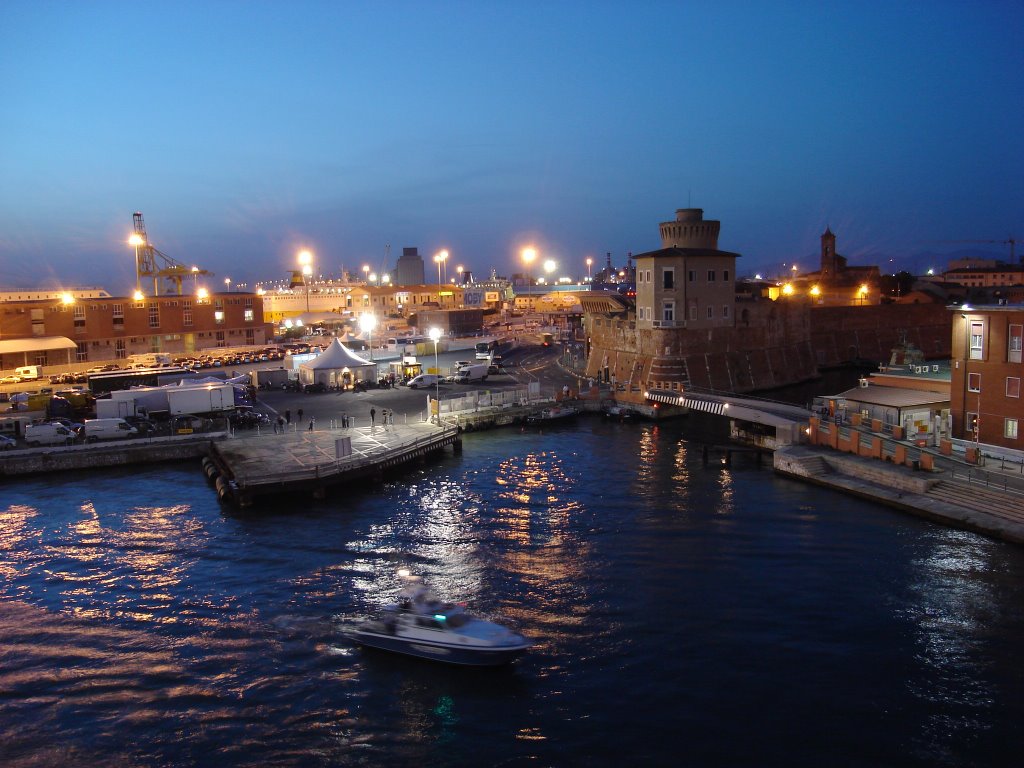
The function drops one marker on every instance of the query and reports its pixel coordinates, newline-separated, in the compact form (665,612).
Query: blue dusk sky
(245,131)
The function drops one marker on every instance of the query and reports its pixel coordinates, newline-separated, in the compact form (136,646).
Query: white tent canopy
(337,366)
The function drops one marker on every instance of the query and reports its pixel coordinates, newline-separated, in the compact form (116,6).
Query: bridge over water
(762,422)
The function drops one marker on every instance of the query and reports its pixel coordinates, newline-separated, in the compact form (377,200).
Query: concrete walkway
(945,496)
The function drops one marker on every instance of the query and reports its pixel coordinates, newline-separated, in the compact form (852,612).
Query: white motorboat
(421,625)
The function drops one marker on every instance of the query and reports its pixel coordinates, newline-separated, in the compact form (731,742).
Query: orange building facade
(112,328)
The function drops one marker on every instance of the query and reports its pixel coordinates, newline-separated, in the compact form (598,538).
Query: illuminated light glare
(787,289)
(67,298)
(138,296)
(815,291)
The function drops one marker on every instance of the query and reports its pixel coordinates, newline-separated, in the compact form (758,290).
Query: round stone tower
(690,230)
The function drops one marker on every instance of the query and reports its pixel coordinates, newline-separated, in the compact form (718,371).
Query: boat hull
(450,654)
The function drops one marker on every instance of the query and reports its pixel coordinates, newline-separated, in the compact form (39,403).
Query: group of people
(387,419)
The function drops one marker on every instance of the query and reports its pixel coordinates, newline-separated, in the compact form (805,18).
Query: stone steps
(980,499)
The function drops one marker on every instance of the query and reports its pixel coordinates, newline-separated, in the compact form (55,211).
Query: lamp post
(367,322)
(227,284)
(305,259)
(529,255)
(136,240)
(549,267)
(590,263)
(435,336)
(439,259)
(366,273)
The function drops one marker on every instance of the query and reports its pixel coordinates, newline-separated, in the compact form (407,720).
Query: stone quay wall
(773,344)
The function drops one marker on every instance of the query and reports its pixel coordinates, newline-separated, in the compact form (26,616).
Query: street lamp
(367,322)
(136,240)
(305,259)
(529,255)
(435,336)
(227,284)
(549,267)
(366,273)
(460,269)
(440,258)
(590,263)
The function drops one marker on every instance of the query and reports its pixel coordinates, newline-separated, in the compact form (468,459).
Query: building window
(186,317)
(668,312)
(120,349)
(1014,344)
(974,382)
(154,315)
(971,423)
(220,338)
(218,316)
(711,275)
(711,312)
(79,316)
(725,275)
(725,311)
(1010,429)
(249,315)
(977,340)
(691,275)
(1013,386)
(668,278)
(693,311)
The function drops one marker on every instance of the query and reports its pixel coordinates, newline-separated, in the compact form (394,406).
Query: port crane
(155,264)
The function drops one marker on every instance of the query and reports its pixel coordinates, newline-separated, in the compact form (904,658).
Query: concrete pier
(310,462)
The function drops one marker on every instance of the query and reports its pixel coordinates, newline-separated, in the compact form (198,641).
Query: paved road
(525,364)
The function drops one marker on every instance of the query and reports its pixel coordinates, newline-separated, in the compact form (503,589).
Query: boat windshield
(457,620)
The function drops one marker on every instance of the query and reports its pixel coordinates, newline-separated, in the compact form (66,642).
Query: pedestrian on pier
(344,421)
(384,418)
(280,425)
(373,416)
(310,423)
(300,415)
(288,415)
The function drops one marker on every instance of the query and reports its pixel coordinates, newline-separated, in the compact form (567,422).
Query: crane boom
(168,270)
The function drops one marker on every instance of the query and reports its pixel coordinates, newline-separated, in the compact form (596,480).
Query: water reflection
(952,607)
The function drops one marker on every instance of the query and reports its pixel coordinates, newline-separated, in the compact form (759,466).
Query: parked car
(7,443)
(10,380)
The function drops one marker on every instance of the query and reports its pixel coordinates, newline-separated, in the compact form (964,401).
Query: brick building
(986,374)
(111,327)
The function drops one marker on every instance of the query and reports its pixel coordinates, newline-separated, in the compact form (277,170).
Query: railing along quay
(309,462)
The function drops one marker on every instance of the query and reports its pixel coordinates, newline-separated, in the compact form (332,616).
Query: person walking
(373,416)
(288,415)
(300,415)
(280,425)
(344,421)
(310,423)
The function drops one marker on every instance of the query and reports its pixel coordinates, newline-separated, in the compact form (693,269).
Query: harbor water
(683,615)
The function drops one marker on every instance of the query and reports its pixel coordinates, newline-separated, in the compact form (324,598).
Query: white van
(29,372)
(48,434)
(107,429)
(425,380)
(475,372)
